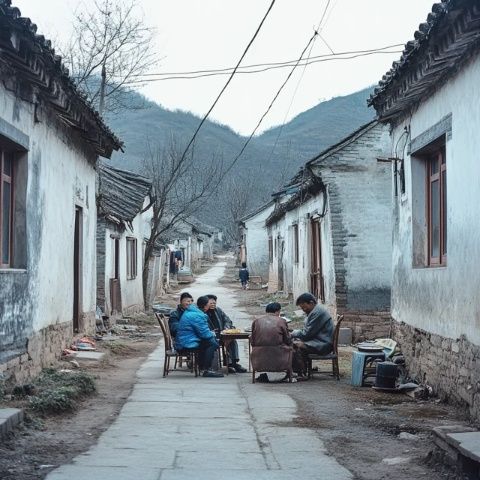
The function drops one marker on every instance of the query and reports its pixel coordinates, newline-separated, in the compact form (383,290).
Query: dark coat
(317,331)
(218,320)
(243,275)
(174,319)
(271,344)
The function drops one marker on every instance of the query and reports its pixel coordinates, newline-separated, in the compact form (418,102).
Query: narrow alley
(183,427)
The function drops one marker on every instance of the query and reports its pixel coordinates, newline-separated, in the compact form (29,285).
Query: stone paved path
(187,428)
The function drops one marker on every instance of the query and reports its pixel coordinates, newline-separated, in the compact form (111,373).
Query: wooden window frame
(4,178)
(440,156)
(132,259)
(296,246)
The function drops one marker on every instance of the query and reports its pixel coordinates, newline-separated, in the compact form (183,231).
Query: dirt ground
(361,427)
(44,442)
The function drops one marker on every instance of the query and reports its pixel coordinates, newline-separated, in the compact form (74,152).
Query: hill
(262,167)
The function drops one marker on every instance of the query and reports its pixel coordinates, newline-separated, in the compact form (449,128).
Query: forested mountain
(261,168)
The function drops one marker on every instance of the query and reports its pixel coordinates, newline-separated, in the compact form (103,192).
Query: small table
(360,368)
(228,338)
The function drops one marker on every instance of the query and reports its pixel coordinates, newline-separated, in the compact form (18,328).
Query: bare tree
(181,187)
(109,51)
(238,201)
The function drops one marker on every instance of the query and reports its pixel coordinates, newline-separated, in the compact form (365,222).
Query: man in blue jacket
(193,334)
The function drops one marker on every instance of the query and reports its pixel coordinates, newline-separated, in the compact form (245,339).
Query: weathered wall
(256,243)
(444,301)
(296,276)
(131,289)
(359,191)
(61,176)
(450,366)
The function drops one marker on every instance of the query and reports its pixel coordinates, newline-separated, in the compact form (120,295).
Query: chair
(286,367)
(333,356)
(170,351)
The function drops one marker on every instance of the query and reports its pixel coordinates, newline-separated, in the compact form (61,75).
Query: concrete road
(187,428)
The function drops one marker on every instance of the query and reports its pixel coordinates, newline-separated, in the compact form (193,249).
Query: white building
(431,99)
(50,141)
(254,246)
(122,226)
(330,232)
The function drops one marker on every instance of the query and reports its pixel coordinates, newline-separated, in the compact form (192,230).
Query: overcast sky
(206,34)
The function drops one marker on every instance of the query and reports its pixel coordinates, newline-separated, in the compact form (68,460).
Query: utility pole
(101,104)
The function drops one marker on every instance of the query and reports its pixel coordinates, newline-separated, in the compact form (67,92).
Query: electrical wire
(265,66)
(228,81)
(317,29)
(234,161)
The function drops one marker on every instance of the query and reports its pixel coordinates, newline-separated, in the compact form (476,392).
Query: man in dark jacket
(218,320)
(316,336)
(193,333)
(174,318)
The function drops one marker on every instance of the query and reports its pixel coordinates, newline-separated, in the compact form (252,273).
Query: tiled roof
(450,35)
(121,194)
(27,55)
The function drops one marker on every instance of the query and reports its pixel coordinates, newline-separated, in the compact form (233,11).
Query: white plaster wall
(63,179)
(132,290)
(297,275)
(445,300)
(257,243)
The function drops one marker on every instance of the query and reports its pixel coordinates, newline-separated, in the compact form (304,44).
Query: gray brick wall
(359,192)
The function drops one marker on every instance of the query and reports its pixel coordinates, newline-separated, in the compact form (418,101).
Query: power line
(286,63)
(324,58)
(312,38)
(228,81)
(317,29)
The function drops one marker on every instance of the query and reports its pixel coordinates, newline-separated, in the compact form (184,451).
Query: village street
(184,427)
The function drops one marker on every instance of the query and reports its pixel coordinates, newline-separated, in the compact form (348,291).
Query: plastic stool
(360,360)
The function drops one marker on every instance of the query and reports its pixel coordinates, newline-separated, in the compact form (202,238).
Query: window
(295,244)
(6,208)
(270,249)
(429,204)
(436,207)
(131,258)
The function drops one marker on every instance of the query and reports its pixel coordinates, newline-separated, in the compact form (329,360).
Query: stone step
(9,419)
(461,446)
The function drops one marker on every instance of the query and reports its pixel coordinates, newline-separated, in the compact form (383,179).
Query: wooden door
(316,267)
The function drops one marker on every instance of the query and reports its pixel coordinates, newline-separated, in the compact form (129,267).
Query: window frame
(270,249)
(296,243)
(132,258)
(4,178)
(439,155)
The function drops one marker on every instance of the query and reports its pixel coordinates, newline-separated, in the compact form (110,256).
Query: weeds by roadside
(55,391)
(117,347)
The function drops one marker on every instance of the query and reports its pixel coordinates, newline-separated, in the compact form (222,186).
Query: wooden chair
(333,356)
(170,351)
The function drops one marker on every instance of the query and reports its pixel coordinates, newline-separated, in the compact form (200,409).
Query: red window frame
(436,171)
(6,178)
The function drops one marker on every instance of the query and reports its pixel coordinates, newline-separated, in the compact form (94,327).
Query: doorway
(281,247)
(77,269)
(316,267)
(115,289)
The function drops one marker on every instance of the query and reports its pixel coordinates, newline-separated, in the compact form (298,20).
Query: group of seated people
(274,347)
(198,327)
